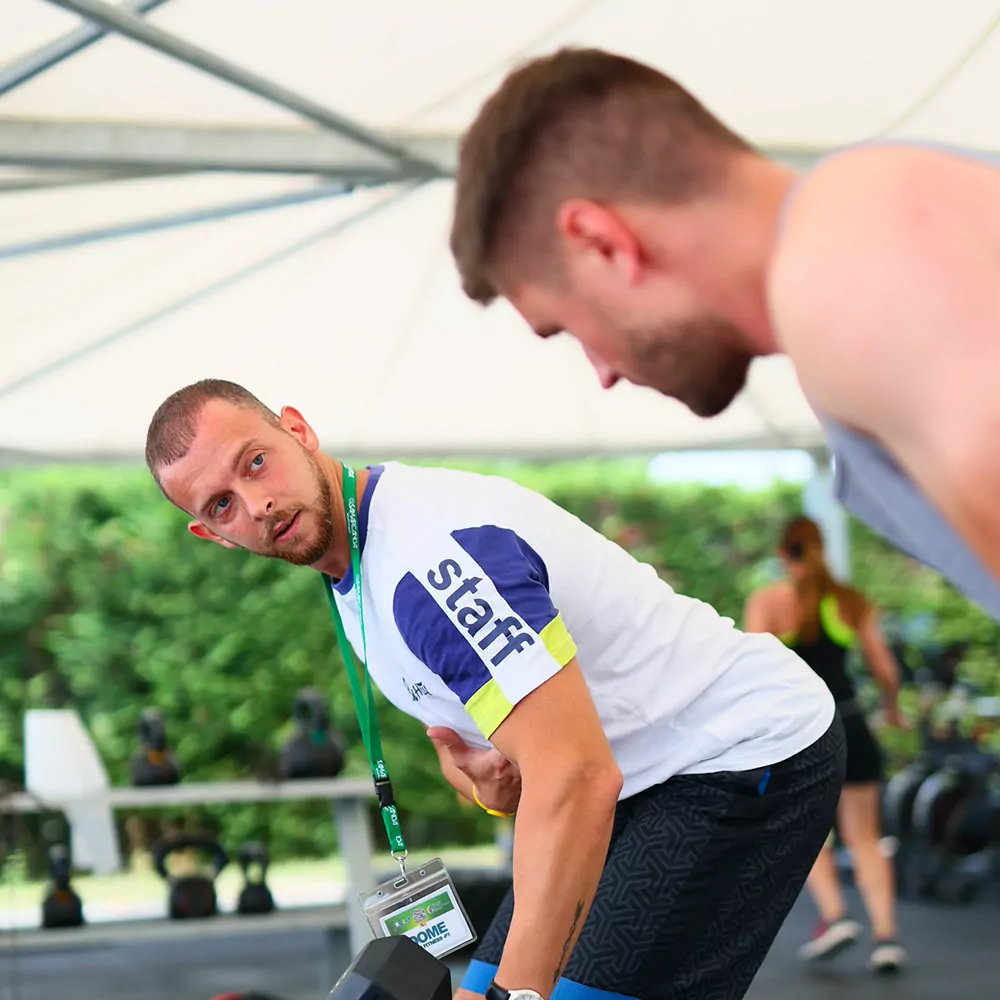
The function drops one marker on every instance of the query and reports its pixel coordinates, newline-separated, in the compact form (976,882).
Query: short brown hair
(578,123)
(172,429)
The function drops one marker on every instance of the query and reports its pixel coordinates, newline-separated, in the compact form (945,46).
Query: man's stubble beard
(698,362)
(322,506)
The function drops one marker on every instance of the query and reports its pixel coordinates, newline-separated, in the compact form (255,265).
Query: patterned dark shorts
(701,872)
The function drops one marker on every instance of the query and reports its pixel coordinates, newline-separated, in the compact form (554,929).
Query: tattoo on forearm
(569,939)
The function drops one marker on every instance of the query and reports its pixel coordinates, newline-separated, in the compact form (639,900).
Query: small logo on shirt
(418,690)
(475,615)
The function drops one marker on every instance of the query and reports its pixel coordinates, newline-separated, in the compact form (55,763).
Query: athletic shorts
(700,874)
(864,758)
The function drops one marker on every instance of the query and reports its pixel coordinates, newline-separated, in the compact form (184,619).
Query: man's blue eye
(220,505)
(257,461)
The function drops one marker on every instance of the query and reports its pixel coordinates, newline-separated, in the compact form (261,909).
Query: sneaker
(830,939)
(887,958)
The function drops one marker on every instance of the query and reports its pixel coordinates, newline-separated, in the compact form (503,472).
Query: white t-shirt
(476,591)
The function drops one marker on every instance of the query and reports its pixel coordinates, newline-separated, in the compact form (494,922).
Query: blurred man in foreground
(602,199)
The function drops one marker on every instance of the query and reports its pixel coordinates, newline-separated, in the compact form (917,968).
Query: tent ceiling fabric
(366,332)
(782,71)
(363,326)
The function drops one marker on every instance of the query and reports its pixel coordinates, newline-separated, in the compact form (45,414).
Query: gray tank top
(869,483)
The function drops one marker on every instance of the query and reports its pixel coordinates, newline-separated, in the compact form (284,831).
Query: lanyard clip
(383,790)
(400,858)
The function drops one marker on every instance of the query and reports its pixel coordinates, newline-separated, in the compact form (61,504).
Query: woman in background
(821,619)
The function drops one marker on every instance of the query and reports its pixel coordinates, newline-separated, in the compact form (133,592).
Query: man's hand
(497,780)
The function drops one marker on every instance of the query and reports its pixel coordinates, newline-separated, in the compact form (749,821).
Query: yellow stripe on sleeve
(489,707)
(558,641)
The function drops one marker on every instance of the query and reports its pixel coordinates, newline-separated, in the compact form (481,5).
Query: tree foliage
(108,604)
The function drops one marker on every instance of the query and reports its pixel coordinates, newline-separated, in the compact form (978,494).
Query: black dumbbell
(394,968)
(898,798)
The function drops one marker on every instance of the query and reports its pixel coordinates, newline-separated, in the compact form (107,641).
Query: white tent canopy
(160,225)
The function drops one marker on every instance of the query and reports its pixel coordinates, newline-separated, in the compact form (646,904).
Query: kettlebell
(61,907)
(190,895)
(255,896)
(153,763)
(312,751)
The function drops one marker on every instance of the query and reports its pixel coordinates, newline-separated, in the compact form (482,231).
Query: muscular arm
(886,293)
(879,658)
(569,788)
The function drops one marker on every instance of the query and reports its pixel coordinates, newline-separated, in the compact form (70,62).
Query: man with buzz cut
(673,778)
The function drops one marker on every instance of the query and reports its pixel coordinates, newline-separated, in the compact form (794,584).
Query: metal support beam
(115,19)
(177,220)
(110,145)
(206,291)
(29,179)
(37,62)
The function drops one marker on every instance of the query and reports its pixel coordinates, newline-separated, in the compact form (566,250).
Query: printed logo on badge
(423,906)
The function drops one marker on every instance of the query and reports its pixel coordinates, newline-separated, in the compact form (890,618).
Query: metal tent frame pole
(44,58)
(127,24)
(206,291)
(175,220)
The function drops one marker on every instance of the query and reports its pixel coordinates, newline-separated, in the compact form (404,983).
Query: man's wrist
(492,812)
(496,992)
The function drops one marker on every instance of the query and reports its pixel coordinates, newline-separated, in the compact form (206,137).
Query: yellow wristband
(486,809)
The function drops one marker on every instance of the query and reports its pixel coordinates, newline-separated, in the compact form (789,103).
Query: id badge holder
(421,904)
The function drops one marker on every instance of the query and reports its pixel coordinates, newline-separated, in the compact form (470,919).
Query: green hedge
(109,605)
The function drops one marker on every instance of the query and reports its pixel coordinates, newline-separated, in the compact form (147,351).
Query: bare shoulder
(853,189)
(774,595)
(873,240)
(769,609)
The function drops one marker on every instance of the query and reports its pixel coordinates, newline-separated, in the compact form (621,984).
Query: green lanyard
(367,716)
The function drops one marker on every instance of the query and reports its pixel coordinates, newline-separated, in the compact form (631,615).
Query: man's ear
(295,424)
(598,240)
(201,531)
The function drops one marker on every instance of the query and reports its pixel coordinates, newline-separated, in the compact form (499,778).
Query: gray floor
(954,956)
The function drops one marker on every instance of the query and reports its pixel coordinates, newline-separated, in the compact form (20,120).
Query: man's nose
(260,505)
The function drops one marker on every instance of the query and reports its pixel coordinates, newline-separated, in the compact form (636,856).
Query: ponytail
(803,543)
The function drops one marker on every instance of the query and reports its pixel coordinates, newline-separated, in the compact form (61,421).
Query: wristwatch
(495,992)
